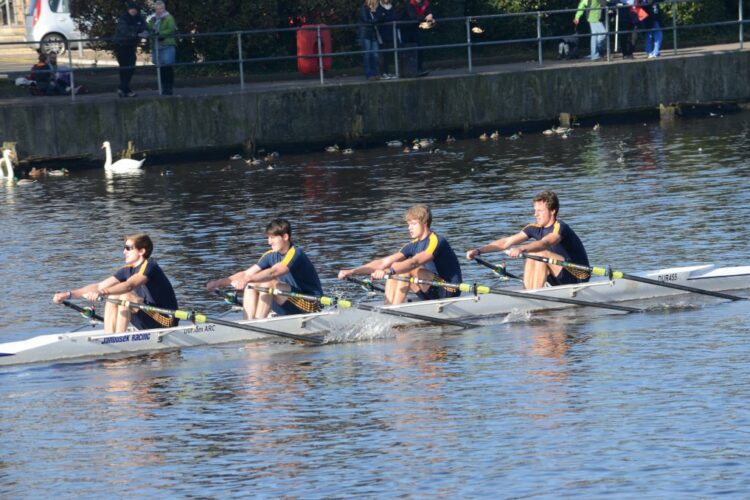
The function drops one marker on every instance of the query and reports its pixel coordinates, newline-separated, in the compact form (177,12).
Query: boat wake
(376,327)
(517,316)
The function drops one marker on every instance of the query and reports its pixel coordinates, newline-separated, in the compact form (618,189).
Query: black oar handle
(230,298)
(86,312)
(496,268)
(366,284)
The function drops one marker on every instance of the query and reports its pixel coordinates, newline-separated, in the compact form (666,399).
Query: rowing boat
(96,344)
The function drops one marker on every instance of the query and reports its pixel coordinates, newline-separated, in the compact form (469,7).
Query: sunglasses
(129,247)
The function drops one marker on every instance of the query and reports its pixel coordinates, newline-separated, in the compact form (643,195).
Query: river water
(572,403)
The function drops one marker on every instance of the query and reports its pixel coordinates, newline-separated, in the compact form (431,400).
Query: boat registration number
(668,277)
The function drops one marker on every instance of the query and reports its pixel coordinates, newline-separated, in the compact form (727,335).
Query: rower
(553,239)
(428,257)
(284,267)
(141,280)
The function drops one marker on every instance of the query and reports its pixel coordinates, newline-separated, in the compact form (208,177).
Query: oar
(343,303)
(420,317)
(366,284)
(230,298)
(322,299)
(604,271)
(86,312)
(483,289)
(497,269)
(202,318)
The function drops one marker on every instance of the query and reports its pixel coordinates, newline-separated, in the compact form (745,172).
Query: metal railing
(471,43)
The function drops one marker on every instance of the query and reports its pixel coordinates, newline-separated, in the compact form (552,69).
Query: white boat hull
(96,344)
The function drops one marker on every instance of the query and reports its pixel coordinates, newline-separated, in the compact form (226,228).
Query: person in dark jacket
(128,29)
(419,12)
(386,15)
(627,28)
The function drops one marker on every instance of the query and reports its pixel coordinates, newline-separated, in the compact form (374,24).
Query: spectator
(368,37)
(164,28)
(654,23)
(129,27)
(626,28)
(61,74)
(417,11)
(593,11)
(42,76)
(386,15)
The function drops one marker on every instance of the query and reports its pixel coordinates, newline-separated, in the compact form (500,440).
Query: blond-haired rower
(428,256)
(140,280)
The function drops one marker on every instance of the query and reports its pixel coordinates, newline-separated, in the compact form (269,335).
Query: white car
(49,23)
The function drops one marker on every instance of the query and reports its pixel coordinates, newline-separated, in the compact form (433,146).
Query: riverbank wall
(309,115)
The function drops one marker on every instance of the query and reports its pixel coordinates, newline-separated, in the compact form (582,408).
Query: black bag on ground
(568,47)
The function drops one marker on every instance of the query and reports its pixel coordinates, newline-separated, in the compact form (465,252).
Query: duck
(484,137)
(8,171)
(254,161)
(121,165)
(235,157)
(515,137)
(549,131)
(394,144)
(597,127)
(37,172)
(407,149)
(426,143)
(271,157)
(347,151)
(495,135)
(332,149)
(450,139)
(165,173)
(58,172)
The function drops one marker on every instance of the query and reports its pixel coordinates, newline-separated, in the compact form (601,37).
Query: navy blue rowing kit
(302,278)
(156,292)
(444,264)
(569,248)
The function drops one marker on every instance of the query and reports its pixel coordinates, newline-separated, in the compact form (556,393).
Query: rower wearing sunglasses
(140,280)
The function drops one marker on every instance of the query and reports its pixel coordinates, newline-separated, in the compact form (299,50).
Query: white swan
(8,165)
(11,174)
(121,165)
